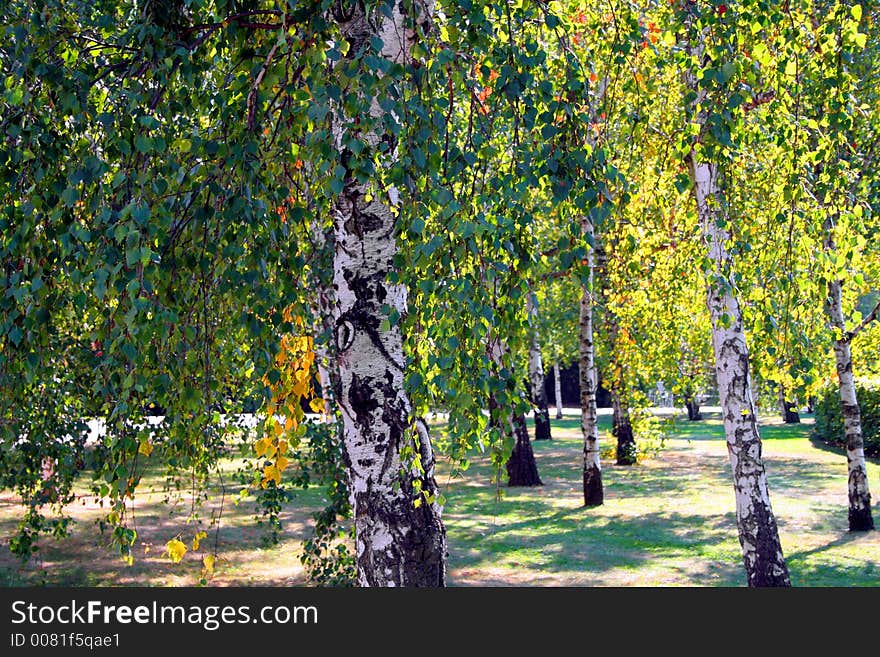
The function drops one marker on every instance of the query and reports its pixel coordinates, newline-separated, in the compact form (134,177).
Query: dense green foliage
(829,422)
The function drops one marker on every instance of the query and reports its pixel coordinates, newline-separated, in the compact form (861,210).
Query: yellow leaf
(317,405)
(289,423)
(146,447)
(281,463)
(262,446)
(209,564)
(271,473)
(282,447)
(301,388)
(176,549)
(198,539)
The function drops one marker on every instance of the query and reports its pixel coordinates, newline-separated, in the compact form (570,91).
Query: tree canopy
(171,175)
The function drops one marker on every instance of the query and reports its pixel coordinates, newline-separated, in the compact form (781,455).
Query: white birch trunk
(592,470)
(400,538)
(860,518)
(557,390)
(324,308)
(536,375)
(758,533)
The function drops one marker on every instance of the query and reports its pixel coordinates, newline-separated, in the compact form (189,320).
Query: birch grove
(365,231)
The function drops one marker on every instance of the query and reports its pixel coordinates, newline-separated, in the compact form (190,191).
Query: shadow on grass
(711,427)
(590,545)
(831,448)
(844,539)
(560,464)
(828,565)
(862,573)
(799,477)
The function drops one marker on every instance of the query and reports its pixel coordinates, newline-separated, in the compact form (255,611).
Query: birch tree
(594,494)
(400,537)
(828,115)
(858,488)
(844,160)
(712,60)
(536,373)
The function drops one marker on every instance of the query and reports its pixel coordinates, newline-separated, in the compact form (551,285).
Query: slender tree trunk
(323,362)
(398,542)
(324,308)
(622,430)
(621,425)
(536,375)
(557,390)
(693,408)
(521,467)
(325,356)
(522,470)
(787,408)
(594,494)
(860,518)
(758,533)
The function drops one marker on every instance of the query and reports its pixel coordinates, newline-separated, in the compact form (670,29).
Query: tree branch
(870,317)
(761,98)
(255,90)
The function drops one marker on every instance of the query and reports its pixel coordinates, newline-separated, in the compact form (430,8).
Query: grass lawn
(667,522)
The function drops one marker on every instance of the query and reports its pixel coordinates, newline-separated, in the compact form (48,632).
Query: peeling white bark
(758,533)
(592,471)
(859,493)
(400,538)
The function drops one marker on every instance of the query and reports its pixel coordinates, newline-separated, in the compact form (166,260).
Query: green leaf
(70,196)
(143,144)
(141,214)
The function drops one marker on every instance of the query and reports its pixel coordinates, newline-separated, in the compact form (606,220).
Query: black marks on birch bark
(768,568)
(361,400)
